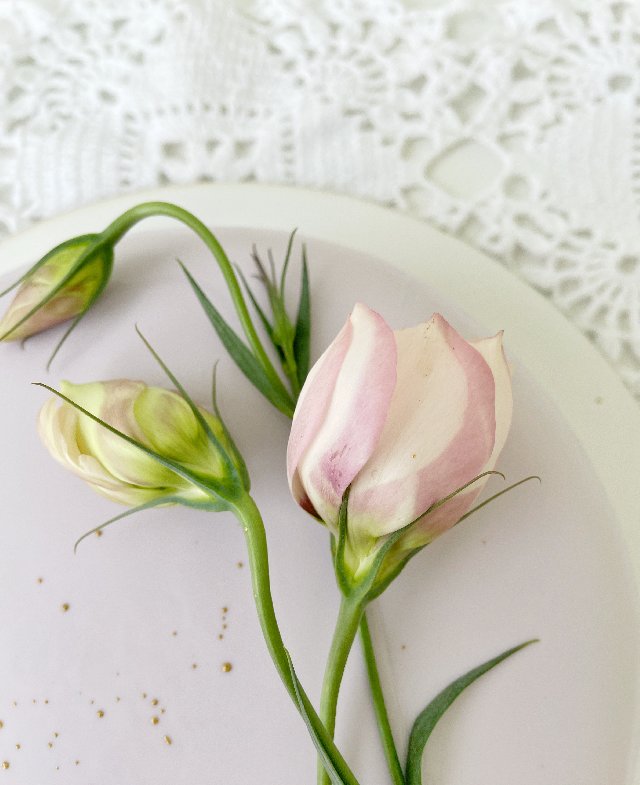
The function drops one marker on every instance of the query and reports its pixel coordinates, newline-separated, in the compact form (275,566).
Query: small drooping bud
(62,285)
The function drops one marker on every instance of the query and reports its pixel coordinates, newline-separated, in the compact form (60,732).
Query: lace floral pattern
(379,98)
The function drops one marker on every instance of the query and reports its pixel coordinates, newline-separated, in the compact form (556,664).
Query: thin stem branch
(256,539)
(131,217)
(351,610)
(382,717)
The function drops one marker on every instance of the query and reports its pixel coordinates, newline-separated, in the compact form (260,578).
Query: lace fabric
(512,125)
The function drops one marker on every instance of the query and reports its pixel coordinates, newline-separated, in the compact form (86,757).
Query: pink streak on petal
(357,412)
(312,407)
(470,450)
(385,507)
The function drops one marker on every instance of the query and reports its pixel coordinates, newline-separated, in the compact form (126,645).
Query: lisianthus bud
(158,419)
(60,286)
(404,418)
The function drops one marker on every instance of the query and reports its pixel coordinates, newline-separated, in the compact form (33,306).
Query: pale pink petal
(353,419)
(439,433)
(312,408)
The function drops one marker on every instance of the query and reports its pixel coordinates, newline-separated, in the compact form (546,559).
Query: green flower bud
(159,420)
(62,285)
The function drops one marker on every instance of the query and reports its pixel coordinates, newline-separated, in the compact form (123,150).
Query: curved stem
(255,536)
(384,726)
(115,231)
(351,610)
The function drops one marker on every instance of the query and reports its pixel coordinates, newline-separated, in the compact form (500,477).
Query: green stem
(384,726)
(115,231)
(256,539)
(351,610)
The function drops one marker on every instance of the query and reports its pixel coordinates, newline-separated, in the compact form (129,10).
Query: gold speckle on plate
(5,764)
(46,700)
(50,745)
(162,711)
(77,763)
(226,667)
(40,580)
(155,702)
(194,665)
(224,626)
(100,713)
(34,701)
(155,720)
(167,739)
(144,696)
(99,533)
(174,633)
(55,734)
(240,565)
(65,607)
(117,699)
(220,636)
(1,724)
(15,704)
(225,609)
(18,746)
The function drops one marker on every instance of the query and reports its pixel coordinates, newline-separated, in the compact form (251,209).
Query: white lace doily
(379,98)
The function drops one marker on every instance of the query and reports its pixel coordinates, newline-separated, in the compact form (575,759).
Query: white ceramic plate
(558,561)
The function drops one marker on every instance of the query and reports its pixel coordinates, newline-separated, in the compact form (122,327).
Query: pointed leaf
(213,439)
(285,265)
(335,765)
(427,719)
(239,352)
(261,314)
(302,339)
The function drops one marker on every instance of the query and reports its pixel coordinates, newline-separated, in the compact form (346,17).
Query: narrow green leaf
(160,502)
(213,439)
(428,718)
(335,765)
(302,338)
(239,458)
(268,328)
(285,265)
(239,352)
(497,495)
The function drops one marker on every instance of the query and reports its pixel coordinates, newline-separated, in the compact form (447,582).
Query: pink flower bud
(61,286)
(405,417)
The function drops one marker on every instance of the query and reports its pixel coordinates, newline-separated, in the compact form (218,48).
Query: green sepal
(107,269)
(338,552)
(268,327)
(213,439)
(34,267)
(302,337)
(238,457)
(335,765)
(285,264)
(240,354)
(428,718)
(163,501)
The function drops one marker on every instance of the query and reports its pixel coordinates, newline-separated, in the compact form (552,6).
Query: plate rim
(599,409)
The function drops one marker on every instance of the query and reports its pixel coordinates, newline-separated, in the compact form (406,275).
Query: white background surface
(547,561)
(509,124)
